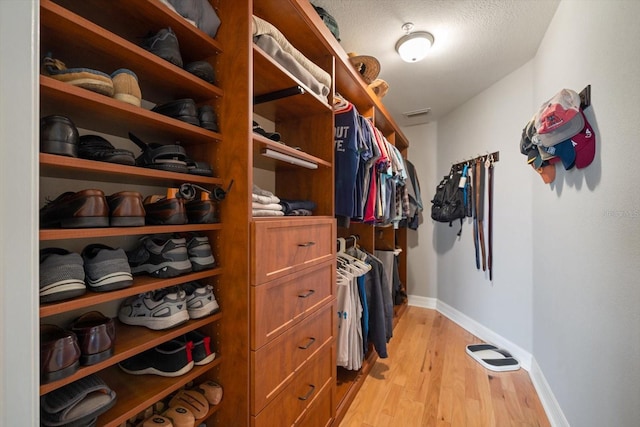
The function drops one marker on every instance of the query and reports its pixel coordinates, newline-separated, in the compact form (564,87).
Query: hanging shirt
(347,143)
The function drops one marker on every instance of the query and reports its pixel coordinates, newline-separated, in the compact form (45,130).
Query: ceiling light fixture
(413,47)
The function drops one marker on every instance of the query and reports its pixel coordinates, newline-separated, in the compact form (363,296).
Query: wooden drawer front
(320,413)
(277,362)
(282,303)
(285,246)
(288,406)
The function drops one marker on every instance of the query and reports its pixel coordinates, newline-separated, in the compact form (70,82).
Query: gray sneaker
(200,300)
(106,268)
(157,310)
(160,257)
(200,253)
(61,275)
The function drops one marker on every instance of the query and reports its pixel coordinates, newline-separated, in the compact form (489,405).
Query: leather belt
(474,210)
(490,213)
(480,176)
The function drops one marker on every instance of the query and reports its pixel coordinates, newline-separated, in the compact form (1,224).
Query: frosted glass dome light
(413,47)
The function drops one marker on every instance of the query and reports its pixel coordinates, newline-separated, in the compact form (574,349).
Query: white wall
(586,299)
(19,342)
(565,285)
(491,121)
(421,259)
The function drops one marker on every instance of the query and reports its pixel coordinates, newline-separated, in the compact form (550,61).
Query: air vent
(416,113)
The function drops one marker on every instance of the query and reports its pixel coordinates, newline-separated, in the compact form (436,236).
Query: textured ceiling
(477,42)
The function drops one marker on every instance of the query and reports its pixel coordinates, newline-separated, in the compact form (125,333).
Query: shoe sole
(157,323)
(129,99)
(205,311)
(206,360)
(92,359)
(127,221)
(93,85)
(62,290)
(202,263)
(164,270)
(111,282)
(154,371)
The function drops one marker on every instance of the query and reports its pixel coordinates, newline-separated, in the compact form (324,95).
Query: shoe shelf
(85,44)
(131,20)
(90,233)
(140,392)
(128,344)
(269,77)
(103,114)
(141,284)
(54,166)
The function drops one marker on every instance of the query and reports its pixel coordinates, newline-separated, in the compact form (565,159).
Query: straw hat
(379,87)
(367,66)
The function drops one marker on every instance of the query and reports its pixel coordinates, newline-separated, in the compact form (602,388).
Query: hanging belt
(480,174)
(474,213)
(490,213)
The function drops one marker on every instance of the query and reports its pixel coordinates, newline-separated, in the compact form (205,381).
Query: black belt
(474,209)
(480,174)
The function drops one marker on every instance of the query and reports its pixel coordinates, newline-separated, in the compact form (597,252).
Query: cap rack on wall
(495,157)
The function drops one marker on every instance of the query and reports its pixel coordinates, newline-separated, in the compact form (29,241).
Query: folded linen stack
(265,203)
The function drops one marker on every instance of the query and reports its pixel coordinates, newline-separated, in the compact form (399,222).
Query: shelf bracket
(278,94)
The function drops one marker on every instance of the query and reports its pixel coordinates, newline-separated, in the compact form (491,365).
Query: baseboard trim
(486,334)
(423,302)
(527,361)
(549,403)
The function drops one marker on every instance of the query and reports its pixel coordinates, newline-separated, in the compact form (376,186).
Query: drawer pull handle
(306,245)
(305,347)
(308,294)
(309,393)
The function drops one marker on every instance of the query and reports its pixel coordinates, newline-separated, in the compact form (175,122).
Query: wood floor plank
(428,380)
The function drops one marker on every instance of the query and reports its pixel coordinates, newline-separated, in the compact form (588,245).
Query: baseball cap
(564,151)
(558,119)
(584,144)
(547,172)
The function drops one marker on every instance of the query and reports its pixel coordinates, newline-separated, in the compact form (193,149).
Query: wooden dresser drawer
(284,246)
(289,406)
(282,303)
(320,412)
(276,363)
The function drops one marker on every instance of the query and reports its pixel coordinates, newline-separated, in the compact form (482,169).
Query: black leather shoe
(165,45)
(207,117)
(58,135)
(163,211)
(181,109)
(94,147)
(202,212)
(201,69)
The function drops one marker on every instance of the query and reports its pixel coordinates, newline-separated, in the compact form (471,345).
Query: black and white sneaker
(160,257)
(170,359)
(106,268)
(202,353)
(157,310)
(201,301)
(200,254)
(61,275)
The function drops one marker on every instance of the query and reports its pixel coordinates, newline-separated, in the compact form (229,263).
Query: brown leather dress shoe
(84,209)
(96,335)
(126,209)
(59,353)
(165,211)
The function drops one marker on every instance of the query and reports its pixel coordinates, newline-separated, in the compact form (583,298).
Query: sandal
(95,147)
(171,158)
(199,168)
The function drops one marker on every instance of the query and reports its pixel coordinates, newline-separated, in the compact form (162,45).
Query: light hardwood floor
(429,380)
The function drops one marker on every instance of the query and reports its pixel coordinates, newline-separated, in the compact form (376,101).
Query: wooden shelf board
(100,113)
(140,285)
(128,344)
(54,166)
(260,143)
(90,233)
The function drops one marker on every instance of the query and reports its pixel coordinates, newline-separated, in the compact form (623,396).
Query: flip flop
(77,404)
(492,357)
(171,157)
(274,136)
